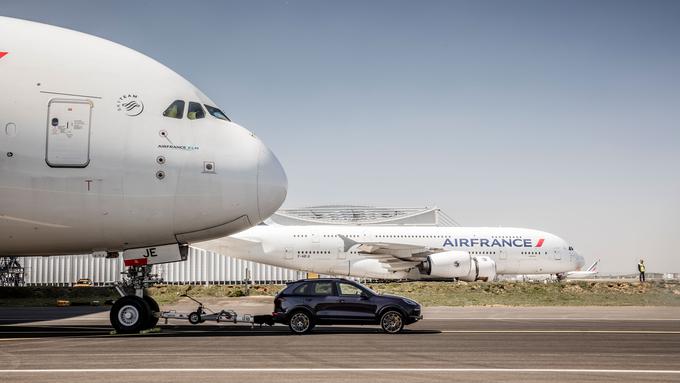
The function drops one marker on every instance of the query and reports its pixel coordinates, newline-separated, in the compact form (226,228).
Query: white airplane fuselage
(319,249)
(581,274)
(590,272)
(89,162)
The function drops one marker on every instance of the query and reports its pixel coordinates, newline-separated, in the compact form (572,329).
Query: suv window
(303,289)
(323,288)
(347,289)
(175,110)
(195,111)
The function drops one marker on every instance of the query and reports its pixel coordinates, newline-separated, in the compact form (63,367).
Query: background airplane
(103,149)
(587,273)
(398,252)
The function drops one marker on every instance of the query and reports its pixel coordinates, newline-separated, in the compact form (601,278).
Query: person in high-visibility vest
(641,269)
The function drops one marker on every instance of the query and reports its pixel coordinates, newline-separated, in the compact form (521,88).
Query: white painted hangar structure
(205,267)
(201,267)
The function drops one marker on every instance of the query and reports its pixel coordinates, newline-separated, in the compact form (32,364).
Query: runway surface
(573,344)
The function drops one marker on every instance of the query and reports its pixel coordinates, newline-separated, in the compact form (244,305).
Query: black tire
(154,313)
(300,322)
(392,321)
(195,318)
(130,314)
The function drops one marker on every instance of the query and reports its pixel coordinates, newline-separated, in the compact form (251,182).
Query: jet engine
(460,265)
(483,269)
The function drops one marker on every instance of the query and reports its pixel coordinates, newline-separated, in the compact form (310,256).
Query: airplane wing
(394,256)
(228,245)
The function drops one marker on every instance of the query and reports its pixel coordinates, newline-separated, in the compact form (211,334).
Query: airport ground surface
(524,344)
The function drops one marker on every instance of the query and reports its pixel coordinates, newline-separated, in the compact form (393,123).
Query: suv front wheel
(300,322)
(392,322)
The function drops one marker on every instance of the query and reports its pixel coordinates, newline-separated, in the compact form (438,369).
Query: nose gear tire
(130,314)
(155,312)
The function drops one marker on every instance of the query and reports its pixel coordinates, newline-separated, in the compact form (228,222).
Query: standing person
(641,269)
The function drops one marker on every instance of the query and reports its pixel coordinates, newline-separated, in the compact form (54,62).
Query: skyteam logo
(487,242)
(130,104)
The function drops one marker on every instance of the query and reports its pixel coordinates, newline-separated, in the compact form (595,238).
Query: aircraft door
(502,254)
(288,252)
(558,255)
(68,133)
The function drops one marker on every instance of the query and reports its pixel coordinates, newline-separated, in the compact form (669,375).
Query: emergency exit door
(68,133)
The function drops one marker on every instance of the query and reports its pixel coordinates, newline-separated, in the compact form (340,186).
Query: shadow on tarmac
(179,331)
(15,315)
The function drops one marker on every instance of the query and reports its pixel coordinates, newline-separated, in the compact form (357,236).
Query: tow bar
(200,315)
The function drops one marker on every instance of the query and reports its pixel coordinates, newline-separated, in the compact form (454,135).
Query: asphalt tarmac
(474,345)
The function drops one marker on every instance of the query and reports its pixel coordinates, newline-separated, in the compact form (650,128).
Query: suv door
(321,298)
(354,304)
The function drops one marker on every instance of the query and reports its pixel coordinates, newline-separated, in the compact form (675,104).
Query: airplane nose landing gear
(134,313)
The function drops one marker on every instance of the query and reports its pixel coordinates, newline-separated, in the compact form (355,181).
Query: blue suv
(308,302)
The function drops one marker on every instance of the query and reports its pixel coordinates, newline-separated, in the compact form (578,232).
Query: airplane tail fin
(349,243)
(593,267)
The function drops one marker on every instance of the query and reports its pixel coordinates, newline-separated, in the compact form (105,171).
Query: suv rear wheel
(392,322)
(300,322)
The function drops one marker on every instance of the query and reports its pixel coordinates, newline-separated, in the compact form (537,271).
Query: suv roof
(320,279)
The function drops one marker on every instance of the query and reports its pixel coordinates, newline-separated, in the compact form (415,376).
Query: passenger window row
(194,112)
(401,236)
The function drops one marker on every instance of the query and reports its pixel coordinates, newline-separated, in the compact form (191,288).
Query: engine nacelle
(448,264)
(483,269)
(460,265)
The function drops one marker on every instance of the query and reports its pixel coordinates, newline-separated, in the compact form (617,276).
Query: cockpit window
(217,113)
(571,248)
(175,110)
(195,111)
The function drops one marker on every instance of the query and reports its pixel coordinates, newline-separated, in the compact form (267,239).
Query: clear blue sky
(561,116)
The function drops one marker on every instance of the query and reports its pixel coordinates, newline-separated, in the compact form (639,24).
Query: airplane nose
(272,183)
